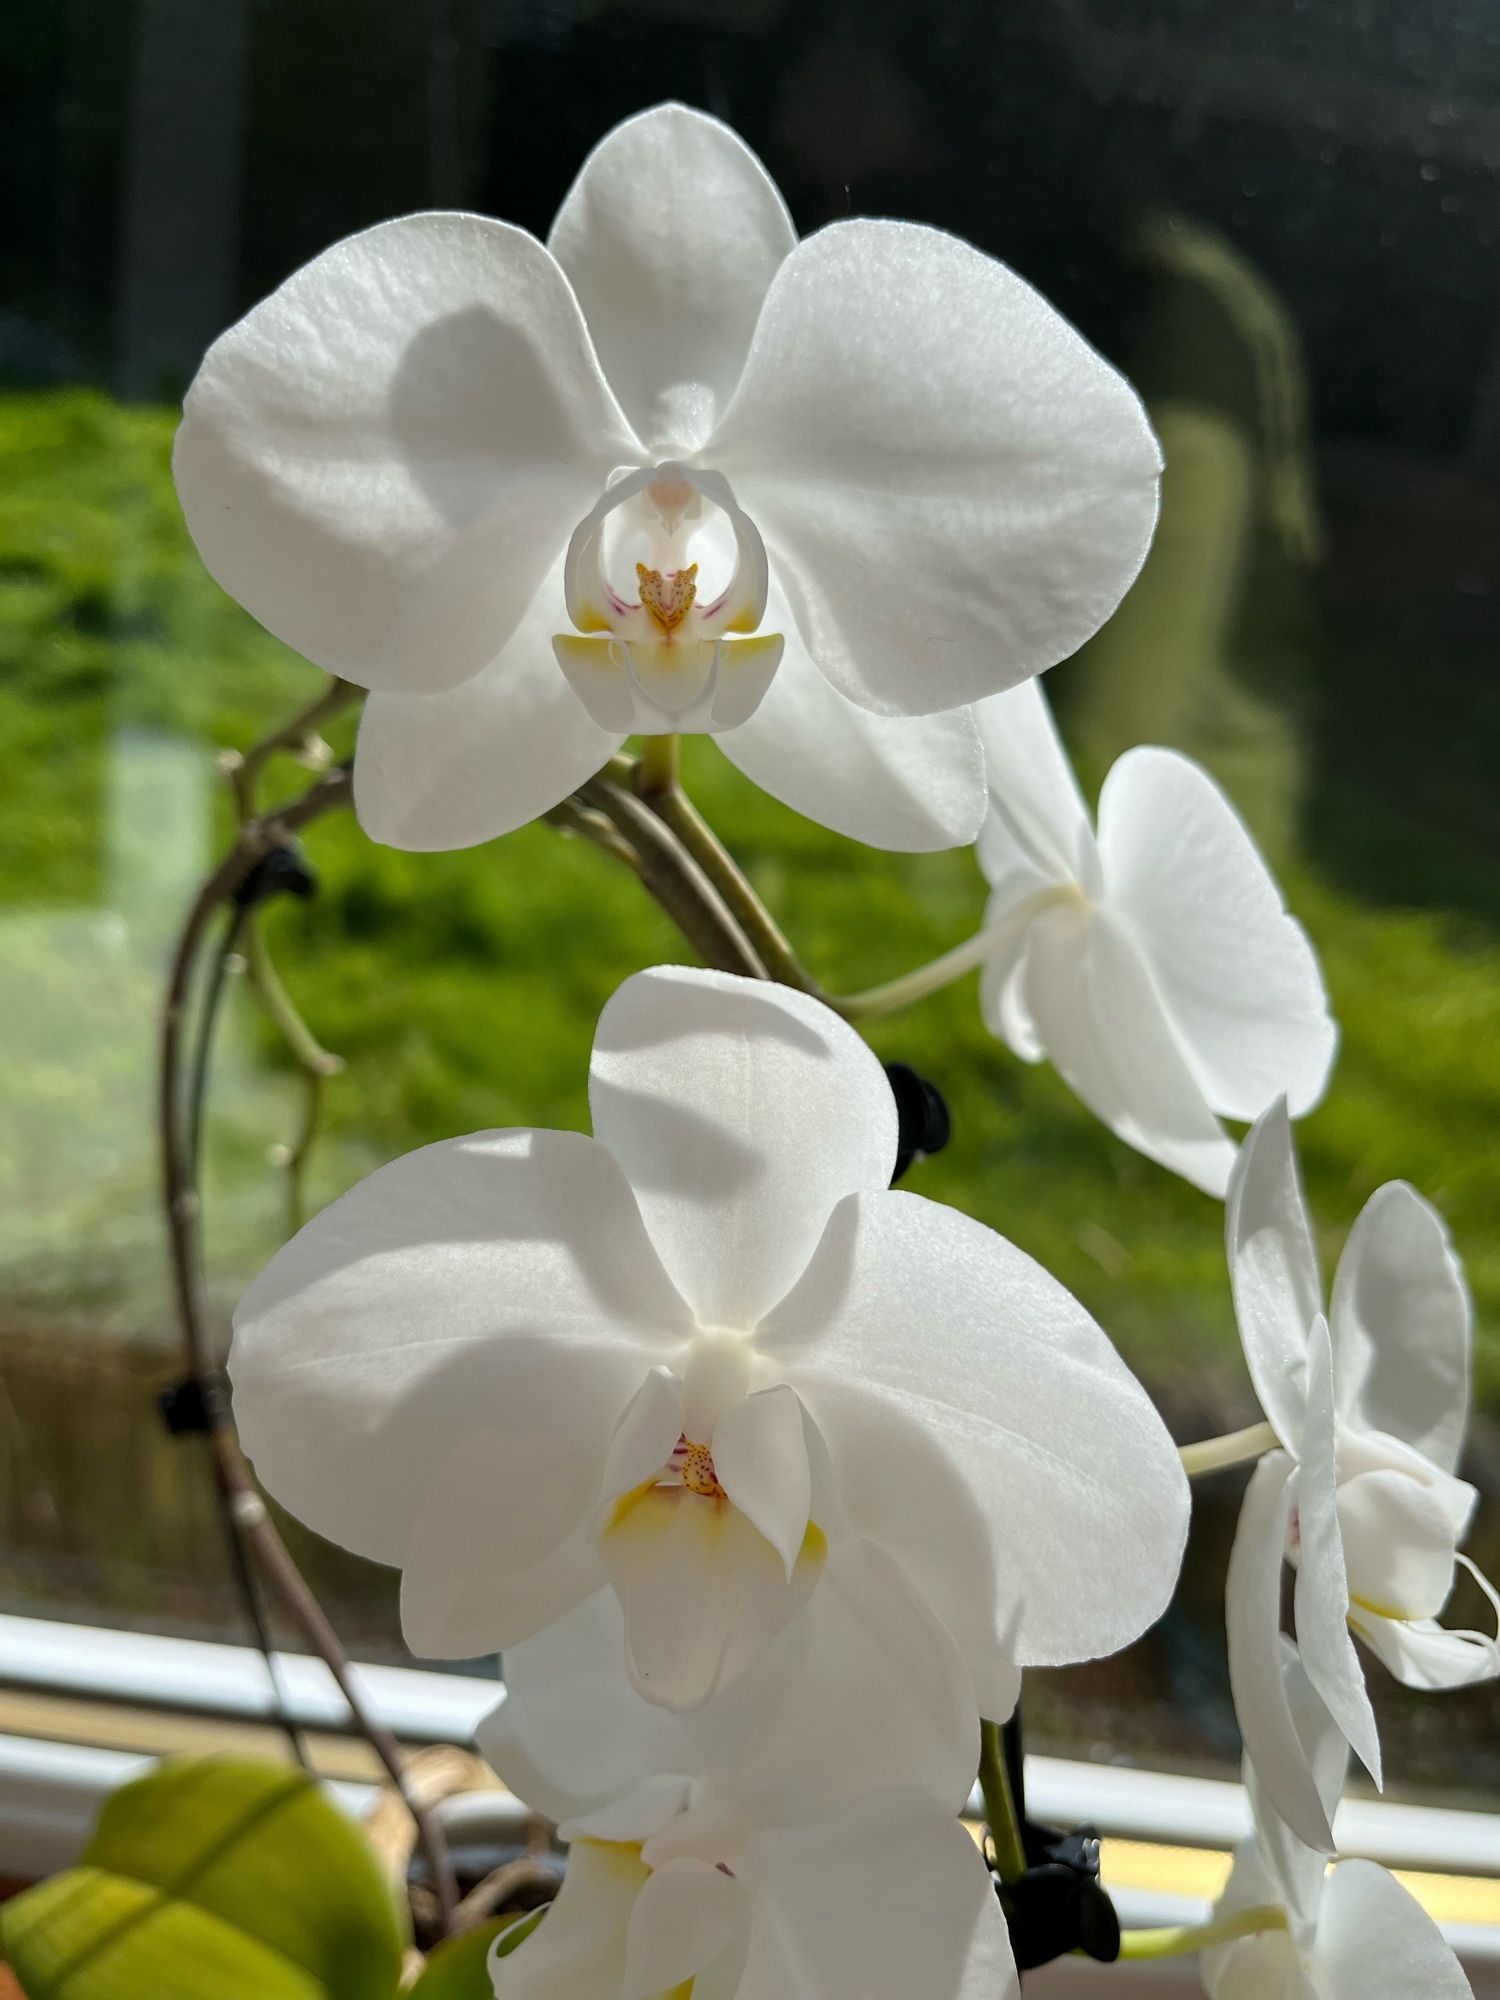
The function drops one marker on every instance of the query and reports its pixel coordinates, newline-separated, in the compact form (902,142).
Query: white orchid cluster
(767,1480)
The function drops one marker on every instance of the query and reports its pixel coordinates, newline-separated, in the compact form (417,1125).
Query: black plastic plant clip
(284,871)
(1059,1905)
(924,1125)
(194,1406)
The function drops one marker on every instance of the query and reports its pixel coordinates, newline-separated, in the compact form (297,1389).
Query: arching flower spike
(944,489)
(799,1835)
(1153,963)
(1352,1934)
(692,1354)
(1362,1498)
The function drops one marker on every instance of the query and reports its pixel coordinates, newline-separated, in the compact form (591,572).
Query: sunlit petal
(1322,1588)
(671,235)
(440,771)
(1401,1326)
(949,514)
(1236,974)
(500,1285)
(1252,1617)
(1273,1269)
(741,1113)
(383,459)
(958,1386)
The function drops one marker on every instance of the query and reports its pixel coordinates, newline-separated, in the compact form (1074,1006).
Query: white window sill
(1156,1826)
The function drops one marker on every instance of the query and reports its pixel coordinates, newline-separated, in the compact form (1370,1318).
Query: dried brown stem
(180,1199)
(244,772)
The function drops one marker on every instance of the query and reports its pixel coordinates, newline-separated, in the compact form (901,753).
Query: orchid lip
(679,655)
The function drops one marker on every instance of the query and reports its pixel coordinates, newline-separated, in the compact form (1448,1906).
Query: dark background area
(169,161)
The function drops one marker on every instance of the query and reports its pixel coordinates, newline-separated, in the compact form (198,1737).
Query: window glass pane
(1280,221)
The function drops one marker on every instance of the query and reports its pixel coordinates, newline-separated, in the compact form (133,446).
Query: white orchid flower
(805,496)
(1369,1407)
(1352,1934)
(799,1835)
(1153,963)
(689,1354)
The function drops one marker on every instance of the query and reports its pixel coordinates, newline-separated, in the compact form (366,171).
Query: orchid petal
(741,1113)
(1266,1965)
(636,1815)
(913,784)
(577,1952)
(383,459)
(1398,1544)
(439,771)
(572,1734)
(1252,1618)
(1039,829)
(1091,996)
(687,1913)
(1322,1587)
(1002,987)
(481,1576)
(645,1436)
(888,1899)
(1423,1654)
(760,1456)
(1297,1870)
(1235,973)
(1402,1326)
(866,1672)
(1273,1268)
(671,235)
(702,1589)
(1375,1938)
(948,515)
(957,1384)
(500,1284)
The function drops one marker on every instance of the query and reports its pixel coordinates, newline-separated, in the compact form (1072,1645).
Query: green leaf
(459,1969)
(213,1878)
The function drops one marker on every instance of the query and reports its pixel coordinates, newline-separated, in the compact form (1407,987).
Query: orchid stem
(294,736)
(1234,1448)
(930,978)
(1178,1938)
(949,965)
(1000,1813)
(674,878)
(734,887)
(656,770)
(278,1003)
(182,1210)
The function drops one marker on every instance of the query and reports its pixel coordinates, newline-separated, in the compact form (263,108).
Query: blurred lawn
(462,988)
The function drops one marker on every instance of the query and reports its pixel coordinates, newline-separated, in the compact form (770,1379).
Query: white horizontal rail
(196,1677)
(50,1792)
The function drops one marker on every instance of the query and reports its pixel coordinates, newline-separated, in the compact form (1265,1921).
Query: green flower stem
(1000,1813)
(1234,1448)
(949,965)
(278,1003)
(656,769)
(735,891)
(674,878)
(1180,1938)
